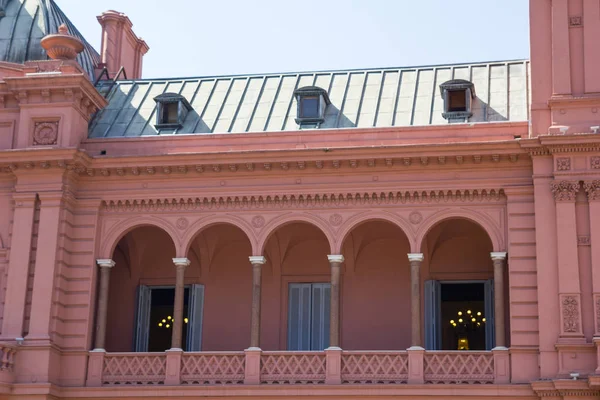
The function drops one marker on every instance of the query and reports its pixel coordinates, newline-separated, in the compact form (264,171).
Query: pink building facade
(399,232)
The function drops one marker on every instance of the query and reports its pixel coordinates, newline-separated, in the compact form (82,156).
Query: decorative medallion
(570,313)
(595,162)
(576,21)
(583,240)
(563,164)
(335,219)
(182,223)
(45,133)
(565,190)
(258,221)
(592,189)
(415,217)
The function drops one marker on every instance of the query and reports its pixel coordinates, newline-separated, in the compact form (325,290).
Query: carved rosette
(45,133)
(336,219)
(415,218)
(565,190)
(570,314)
(595,162)
(258,221)
(592,189)
(182,223)
(563,164)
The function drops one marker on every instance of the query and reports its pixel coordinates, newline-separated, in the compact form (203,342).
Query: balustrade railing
(284,367)
(365,367)
(332,367)
(212,368)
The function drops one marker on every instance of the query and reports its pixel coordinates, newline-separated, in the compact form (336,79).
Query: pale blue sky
(219,37)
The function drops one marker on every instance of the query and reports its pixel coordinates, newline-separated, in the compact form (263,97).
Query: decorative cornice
(565,190)
(302,201)
(592,189)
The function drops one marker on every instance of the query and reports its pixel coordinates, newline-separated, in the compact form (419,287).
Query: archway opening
(220,282)
(376,294)
(296,289)
(143,258)
(457,274)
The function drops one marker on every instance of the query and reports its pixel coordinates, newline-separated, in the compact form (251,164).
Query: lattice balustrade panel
(374,367)
(292,368)
(134,369)
(212,368)
(459,367)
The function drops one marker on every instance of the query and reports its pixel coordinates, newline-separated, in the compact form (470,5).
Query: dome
(23,23)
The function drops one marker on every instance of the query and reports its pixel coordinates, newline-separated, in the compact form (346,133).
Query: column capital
(416,257)
(105,263)
(498,255)
(565,190)
(592,189)
(257,260)
(335,258)
(181,262)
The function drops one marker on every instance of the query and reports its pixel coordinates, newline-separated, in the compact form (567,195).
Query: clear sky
(220,37)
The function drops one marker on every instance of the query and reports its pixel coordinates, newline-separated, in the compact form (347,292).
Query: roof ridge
(330,71)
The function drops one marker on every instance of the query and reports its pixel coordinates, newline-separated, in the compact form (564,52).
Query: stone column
(569,289)
(105,267)
(335,261)
(593,191)
(415,298)
(180,265)
(257,263)
(18,265)
(500,331)
(51,207)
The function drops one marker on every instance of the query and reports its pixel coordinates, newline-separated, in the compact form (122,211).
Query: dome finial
(61,45)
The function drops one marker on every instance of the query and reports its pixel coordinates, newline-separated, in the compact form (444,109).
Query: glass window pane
(310,107)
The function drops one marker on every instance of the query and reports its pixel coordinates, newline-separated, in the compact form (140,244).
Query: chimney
(121,47)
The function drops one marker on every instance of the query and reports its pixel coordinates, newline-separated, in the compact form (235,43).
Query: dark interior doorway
(161,319)
(463,316)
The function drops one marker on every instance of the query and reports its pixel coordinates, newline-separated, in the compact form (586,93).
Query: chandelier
(466,321)
(168,322)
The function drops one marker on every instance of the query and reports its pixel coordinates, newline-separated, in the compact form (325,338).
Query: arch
(485,222)
(357,220)
(287,219)
(197,227)
(115,234)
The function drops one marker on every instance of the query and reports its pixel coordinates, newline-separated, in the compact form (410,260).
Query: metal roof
(23,23)
(359,98)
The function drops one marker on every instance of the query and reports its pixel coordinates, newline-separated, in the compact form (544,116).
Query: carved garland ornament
(45,133)
(565,190)
(570,312)
(593,190)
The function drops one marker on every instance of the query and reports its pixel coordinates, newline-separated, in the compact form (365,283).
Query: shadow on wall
(482,112)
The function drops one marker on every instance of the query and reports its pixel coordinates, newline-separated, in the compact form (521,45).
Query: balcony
(330,367)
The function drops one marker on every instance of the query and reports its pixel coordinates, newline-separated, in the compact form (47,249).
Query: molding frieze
(303,201)
(565,190)
(592,188)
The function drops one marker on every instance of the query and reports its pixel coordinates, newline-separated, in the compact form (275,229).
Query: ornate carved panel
(570,313)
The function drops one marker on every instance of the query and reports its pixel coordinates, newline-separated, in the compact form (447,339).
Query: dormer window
(171,110)
(457,95)
(312,102)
